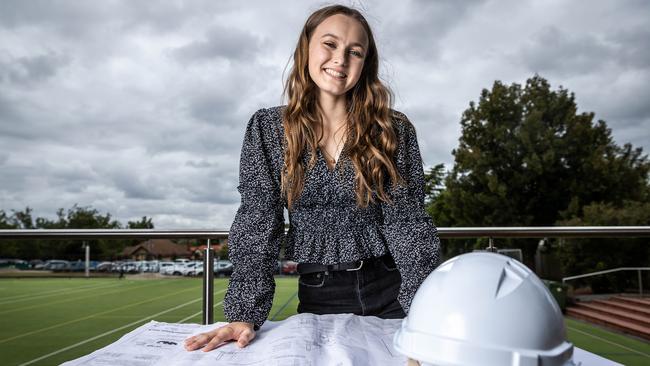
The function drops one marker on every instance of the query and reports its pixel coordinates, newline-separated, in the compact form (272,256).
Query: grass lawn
(49,321)
(44,316)
(623,349)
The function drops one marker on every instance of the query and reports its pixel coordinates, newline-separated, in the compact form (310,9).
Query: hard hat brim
(443,351)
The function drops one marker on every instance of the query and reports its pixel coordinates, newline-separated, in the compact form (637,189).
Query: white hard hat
(484,309)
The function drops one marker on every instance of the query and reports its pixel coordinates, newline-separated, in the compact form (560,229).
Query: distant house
(156,249)
(216,244)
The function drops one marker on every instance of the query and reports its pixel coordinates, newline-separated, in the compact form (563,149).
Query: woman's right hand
(240,332)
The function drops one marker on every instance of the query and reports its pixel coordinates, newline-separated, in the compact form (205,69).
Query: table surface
(303,339)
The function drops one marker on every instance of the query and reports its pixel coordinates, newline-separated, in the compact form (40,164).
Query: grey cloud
(632,46)
(9,115)
(139,108)
(220,42)
(416,34)
(436,137)
(71,180)
(78,19)
(13,178)
(65,15)
(563,53)
(28,71)
(202,163)
(134,186)
(218,107)
(636,108)
(219,187)
(199,139)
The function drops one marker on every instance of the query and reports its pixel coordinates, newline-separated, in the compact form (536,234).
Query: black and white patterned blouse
(326,226)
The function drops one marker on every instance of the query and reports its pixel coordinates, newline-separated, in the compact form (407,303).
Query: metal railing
(208,262)
(638,269)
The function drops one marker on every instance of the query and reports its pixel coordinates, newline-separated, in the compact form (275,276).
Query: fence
(443,233)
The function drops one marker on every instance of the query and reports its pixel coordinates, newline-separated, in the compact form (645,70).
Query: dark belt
(306,268)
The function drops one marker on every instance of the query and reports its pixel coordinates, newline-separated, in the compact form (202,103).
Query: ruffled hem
(351,244)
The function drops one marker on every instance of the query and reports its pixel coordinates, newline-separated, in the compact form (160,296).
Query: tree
(144,223)
(24,219)
(89,218)
(6,222)
(76,217)
(434,182)
(8,248)
(434,191)
(594,254)
(223,252)
(527,158)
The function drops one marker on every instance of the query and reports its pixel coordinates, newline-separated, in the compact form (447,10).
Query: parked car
(164,266)
(152,266)
(188,269)
(223,268)
(104,267)
(197,270)
(20,264)
(14,263)
(179,268)
(130,267)
(56,265)
(77,266)
(169,269)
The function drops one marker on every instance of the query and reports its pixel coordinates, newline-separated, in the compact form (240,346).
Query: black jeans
(371,290)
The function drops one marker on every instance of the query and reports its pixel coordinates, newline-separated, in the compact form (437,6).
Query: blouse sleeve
(411,235)
(256,232)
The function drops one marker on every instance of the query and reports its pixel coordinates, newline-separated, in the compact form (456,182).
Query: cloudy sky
(139,107)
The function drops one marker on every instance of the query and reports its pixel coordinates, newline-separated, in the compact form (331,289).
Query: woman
(349,171)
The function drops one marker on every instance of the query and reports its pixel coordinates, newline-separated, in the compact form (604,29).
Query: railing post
(491,247)
(640,284)
(87,264)
(208,285)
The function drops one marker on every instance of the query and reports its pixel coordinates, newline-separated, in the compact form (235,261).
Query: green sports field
(49,321)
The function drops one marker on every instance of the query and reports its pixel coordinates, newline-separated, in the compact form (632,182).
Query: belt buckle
(356,269)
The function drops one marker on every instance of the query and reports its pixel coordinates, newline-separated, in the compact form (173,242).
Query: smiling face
(337,50)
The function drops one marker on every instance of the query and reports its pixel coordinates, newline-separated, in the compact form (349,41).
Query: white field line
(610,342)
(108,332)
(94,315)
(29,297)
(23,308)
(44,292)
(198,313)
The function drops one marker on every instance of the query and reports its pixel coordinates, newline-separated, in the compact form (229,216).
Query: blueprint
(301,340)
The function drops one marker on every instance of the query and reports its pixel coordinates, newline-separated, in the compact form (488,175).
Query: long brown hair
(371,140)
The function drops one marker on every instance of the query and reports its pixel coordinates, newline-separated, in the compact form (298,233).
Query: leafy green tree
(6,222)
(18,248)
(76,217)
(223,252)
(435,204)
(526,157)
(8,248)
(144,223)
(434,182)
(595,254)
(24,218)
(89,218)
